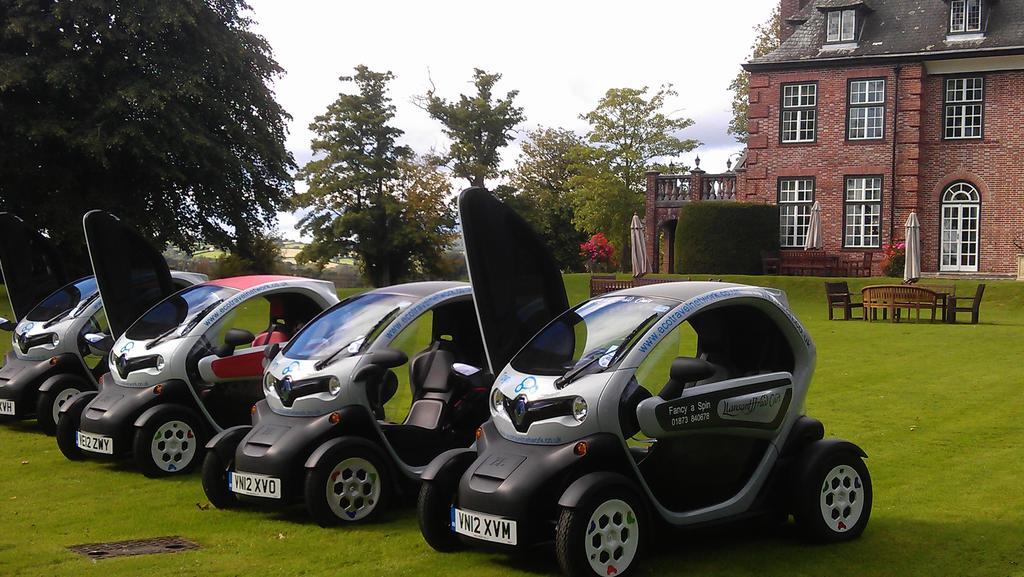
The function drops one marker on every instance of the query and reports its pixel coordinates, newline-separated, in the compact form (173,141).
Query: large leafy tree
(539,188)
(479,125)
(157,110)
(367,195)
(629,132)
(766,39)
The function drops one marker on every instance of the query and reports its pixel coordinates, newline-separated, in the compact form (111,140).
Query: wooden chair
(770,262)
(838,295)
(860,266)
(974,307)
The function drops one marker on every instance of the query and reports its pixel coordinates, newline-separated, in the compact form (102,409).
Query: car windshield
(346,326)
(177,310)
(591,336)
(63,300)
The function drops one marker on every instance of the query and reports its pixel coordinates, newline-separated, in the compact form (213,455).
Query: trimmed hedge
(724,237)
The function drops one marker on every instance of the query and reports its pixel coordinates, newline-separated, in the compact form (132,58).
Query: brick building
(877,108)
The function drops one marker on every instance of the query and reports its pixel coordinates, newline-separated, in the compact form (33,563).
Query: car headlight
(268,383)
(334,386)
(55,339)
(579,409)
(497,399)
(159,363)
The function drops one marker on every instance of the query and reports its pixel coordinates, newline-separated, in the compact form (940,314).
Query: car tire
(67,429)
(49,403)
(834,495)
(603,535)
(349,484)
(170,443)
(433,511)
(215,481)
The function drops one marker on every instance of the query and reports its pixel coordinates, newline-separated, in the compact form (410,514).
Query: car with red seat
(186,368)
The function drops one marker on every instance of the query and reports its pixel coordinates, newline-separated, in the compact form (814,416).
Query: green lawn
(938,408)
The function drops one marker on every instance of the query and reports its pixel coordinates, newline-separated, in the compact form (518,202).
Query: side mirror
(378,362)
(690,370)
(232,339)
(270,352)
(99,343)
(388,358)
(6,325)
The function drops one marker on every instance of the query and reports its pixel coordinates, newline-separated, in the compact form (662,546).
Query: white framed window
(842,26)
(863,210)
(965,107)
(796,195)
(866,109)
(964,16)
(799,112)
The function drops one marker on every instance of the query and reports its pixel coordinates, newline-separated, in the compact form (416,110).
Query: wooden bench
(808,262)
(602,284)
(892,299)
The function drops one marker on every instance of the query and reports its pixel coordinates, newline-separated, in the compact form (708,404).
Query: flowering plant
(597,250)
(894,256)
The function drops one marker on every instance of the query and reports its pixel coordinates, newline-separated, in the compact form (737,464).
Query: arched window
(961,211)
(961,192)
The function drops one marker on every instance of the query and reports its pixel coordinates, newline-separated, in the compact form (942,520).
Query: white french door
(959,238)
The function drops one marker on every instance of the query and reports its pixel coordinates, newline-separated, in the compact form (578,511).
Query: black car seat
(429,376)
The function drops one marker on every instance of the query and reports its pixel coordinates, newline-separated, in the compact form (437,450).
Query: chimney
(787,9)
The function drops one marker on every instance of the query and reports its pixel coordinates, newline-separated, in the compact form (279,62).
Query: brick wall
(994,164)
(925,164)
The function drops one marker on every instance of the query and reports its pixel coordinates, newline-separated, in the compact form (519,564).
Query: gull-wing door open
(31,264)
(130,272)
(517,286)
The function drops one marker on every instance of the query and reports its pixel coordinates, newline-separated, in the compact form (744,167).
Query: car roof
(419,289)
(250,281)
(682,290)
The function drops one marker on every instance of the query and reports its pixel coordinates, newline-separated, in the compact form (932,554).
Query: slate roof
(896,28)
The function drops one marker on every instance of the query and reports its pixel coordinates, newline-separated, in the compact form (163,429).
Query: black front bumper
(20,380)
(113,412)
(524,482)
(279,445)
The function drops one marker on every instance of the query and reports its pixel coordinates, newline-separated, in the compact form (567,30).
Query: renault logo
(22,342)
(519,410)
(121,362)
(284,389)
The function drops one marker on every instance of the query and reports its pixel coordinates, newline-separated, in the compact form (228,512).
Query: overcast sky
(561,55)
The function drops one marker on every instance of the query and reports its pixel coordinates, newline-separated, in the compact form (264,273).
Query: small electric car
(678,404)
(186,368)
(321,435)
(57,350)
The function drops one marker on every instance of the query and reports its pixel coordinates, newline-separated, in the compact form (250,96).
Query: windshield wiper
(366,341)
(570,376)
(192,323)
(85,304)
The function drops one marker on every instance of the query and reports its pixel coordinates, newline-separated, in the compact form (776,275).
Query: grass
(938,408)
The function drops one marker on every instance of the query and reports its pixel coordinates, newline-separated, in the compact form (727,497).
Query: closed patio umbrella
(912,263)
(814,229)
(638,252)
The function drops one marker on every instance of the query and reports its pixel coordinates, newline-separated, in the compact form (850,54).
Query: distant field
(938,408)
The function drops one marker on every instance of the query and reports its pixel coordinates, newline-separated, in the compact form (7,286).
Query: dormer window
(842,26)
(964,16)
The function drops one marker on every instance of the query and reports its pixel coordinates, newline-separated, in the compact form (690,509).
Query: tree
(478,125)
(628,132)
(366,194)
(159,111)
(766,39)
(539,188)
